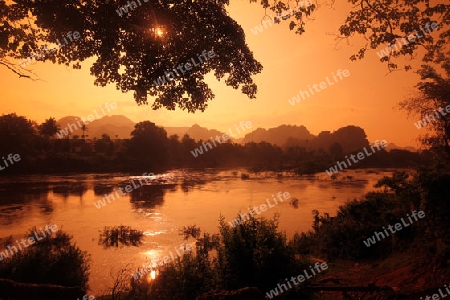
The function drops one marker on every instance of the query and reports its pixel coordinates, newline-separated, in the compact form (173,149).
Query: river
(163,204)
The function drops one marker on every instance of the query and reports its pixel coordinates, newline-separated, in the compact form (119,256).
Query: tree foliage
(432,102)
(132,50)
(382,24)
(135,49)
(148,141)
(49,128)
(385,23)
(17,133)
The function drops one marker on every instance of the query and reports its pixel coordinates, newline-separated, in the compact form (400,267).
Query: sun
(159,32)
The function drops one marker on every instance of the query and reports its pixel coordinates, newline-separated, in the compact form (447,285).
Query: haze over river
(171,200)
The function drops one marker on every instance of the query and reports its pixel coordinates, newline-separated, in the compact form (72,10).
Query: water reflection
(19,200)
(148,196)
(191,183)
(101,189)
(66,189)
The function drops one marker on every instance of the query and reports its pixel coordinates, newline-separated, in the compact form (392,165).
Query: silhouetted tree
(352,138)
(390,23)
(187,145)
(17,135)
(84,129)
(431,104)
(104,145)
(135,50)
(146,47)
(174,145)
(49,128)
(149,143)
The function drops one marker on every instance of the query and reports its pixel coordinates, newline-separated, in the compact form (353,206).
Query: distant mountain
(195,132)
(278,135)
(350,138)
(116,126)
(119,126)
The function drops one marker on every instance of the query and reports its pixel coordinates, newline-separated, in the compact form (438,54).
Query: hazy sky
(366,98)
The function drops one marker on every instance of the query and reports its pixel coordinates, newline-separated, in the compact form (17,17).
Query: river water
(161,205)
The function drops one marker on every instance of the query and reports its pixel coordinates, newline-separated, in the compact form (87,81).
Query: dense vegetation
(342,236)
(149,149)
(252,254)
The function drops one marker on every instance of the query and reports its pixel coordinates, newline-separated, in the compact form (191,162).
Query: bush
(52,260)
(435,193)
(342,236)
(252,254)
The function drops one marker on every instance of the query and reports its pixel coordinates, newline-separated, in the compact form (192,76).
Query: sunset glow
(197,149)
(367,98)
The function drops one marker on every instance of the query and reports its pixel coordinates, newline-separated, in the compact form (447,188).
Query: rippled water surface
(162,205)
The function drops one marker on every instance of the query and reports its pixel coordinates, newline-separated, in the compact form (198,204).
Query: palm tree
(84,128)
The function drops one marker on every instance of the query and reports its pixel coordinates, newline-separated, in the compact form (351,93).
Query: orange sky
(367,98)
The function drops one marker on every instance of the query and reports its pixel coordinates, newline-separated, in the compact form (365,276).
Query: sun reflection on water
(151,276)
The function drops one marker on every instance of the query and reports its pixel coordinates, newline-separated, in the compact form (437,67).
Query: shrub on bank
(342,236)
(52,260)
(252,254)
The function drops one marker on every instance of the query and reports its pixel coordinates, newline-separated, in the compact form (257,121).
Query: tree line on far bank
(149,148)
